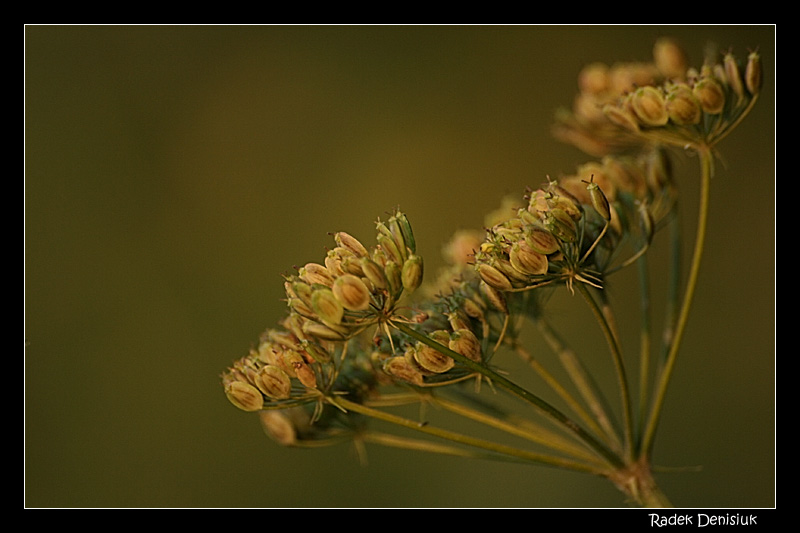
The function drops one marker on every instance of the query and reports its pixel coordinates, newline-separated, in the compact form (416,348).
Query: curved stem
(706,159)
(619,365)
(518,391)
(644,342)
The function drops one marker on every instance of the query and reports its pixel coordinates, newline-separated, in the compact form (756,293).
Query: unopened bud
(683,107)
(411,274)
(351,292)
(670,58)
(465,342)
(733,75)
(710,94)
(244,396)
(753,76)
(527,260)
(648,105)
(346,240)
(327,306)
(273,382)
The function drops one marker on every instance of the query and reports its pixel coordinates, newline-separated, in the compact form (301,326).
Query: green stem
(619,365)
(500,449)
(518,391)
(706,159)
(644,342)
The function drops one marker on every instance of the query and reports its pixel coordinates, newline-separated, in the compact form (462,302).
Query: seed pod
(465,342)
(326,305)
(278,427)
(392,250)
(399,368)
(683,107)
(599,200)
(753,75)
(493,277)
(621,117)
(494,296)
(323,332)
(351,292)
(733,75)
(393,277)
(401,229)
(373,272)
(349,242)
(527,260)
(648,105)
(305,374)
(432,359)
(244,396)
(561,225)
(273,382)
(411,274)
(316,274)
(541,240)
(710,94)
(593,79)
(670,58)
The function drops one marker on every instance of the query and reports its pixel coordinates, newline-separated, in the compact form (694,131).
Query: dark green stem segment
(518,391)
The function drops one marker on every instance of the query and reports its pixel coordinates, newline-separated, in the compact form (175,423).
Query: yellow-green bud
(273,382)
(561,225)
(244,396)
(710,94)
(327,306)
(351,292)
(314,273)
(392,250)
(401,229)
(323,332)
(753,75)
(393,277)
(683,107)
(599,200)
(648,105)
(346,240)
(411,274)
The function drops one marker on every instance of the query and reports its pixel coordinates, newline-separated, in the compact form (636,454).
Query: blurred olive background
(172,174)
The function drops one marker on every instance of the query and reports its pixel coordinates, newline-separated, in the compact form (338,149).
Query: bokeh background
(172,173)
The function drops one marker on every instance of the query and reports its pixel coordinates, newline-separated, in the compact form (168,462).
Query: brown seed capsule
(411,274)
(493,277)
(753,75)
(621,117)
(733,75)
(326,305)
(527,260)
(541,240)
(648,105)
(305,374)
(432,359)
(683,107)
(561,225)
(323,332)
(351,292)
(670,58)
(273,382)
(465,342)
(399,368)
(244,396)
(710,94)
(278,427)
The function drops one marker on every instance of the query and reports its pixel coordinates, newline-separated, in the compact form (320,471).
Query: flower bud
(244,396)
(710,94)
(327,306)
(753,76)
(411,274)
(351,292)
(648,105)
(273,382)
(683,107)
